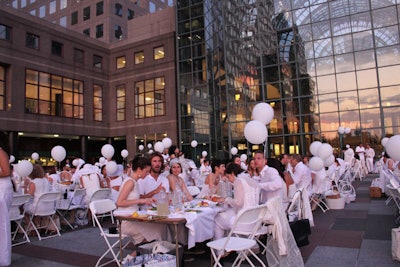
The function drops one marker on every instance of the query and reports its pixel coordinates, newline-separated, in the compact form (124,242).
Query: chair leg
(62,216)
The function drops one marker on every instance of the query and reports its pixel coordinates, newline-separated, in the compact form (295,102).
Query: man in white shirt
(360,150)
(369,158)
(301,174)
(155,181)
(271,182)
(348,155)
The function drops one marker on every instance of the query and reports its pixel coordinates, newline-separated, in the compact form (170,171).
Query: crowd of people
(237,184)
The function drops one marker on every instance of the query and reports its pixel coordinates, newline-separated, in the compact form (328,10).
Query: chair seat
(234,244)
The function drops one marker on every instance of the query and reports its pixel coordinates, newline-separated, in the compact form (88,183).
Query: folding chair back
(102,193)
(73,203)
(45,208)
(99,207)
(17,216)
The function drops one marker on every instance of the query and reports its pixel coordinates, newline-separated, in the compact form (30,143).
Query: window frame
(34,41)
(139,57)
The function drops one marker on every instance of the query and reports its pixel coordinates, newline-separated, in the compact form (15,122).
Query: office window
(63,21)
(98,102)
(158,52)
(79,56)
(32,40)
(42,11)
(63,4)
(2,87)
(150,98)
(118,10)
(86,32)
(99,8)
(99,31)
(57,48)
(118,32)
(74,18)
(139,57)
(121,102)
(97,61)
(5,32)
(86,13)
(121,62)
(53,95)
(131,14)
(52,7)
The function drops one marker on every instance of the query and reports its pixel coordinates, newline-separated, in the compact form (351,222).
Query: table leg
(176,245)
(120,242)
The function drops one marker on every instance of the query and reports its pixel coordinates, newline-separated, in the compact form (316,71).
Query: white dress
(6,194)
(91,183)
(41,187)
(246,194)
(140,231)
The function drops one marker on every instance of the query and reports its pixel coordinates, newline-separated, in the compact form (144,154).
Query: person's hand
(148,201)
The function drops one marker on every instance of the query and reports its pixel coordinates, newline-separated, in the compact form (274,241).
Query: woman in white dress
(6,195)
(37,186)
(246,194)
(176,182)
(129,199)
(211,184)
(89,178)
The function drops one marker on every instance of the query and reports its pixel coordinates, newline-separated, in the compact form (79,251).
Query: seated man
(301,174)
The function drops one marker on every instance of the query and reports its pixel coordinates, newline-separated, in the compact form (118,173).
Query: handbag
(301,230)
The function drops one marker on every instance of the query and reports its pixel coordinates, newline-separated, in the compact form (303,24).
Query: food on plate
(203,203)
(135,215)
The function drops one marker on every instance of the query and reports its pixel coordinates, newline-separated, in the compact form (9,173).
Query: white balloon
(159,147)
(393,147)
(316,163)
(151,151)
(314,147)
(124,153)
(24,168)
(75,162)
(111,167)
(263,113)
(149,145)
(325,150)
(384,141)
(204,154)
(107,151)
(141,147)
(167,142)
(102,160)
(347,130)
(35,156)
(329,160)
(243,157)
(12,159)
(58,153)
(234,151)
(341,130)
(255,132)
(193,143)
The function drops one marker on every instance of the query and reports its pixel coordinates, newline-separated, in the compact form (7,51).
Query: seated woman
(246,194)
(211,184)
(176,183)
(129,199)
(114,181)
(89,178)
(37,186)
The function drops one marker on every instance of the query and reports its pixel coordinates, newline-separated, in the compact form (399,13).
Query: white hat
(88,169)
(347,146)
(118,172)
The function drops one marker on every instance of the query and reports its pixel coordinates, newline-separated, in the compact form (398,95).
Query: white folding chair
(64,206)
(45,209)
(247,222)
(99,207)
(102,193)
(193,190)
(17,216)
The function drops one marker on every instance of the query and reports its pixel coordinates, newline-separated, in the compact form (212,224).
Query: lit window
(150,98)
(53,95)
(121,102)
(97,61)
(139,57)
(121,62)
(32,40)
(98,102)
(158,52)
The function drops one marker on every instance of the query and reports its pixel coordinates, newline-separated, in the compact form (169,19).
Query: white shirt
(369,152)
(349,155)
(302,177)
(149,184)
(271,184)
(360,150)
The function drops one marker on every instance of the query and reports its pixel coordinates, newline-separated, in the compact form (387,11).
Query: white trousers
(370,164)
(6,195)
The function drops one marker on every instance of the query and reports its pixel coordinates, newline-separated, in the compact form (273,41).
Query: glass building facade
(320,64)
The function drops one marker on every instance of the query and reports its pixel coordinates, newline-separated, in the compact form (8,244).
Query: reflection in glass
(368,98)
(390,96)
(348,100)
(363,40)
(344,62)
(388,55)
(365,59)
(389,75)
(367,78)
(387,36)
(370,118)
(329,121)
(346,81)
(328,103)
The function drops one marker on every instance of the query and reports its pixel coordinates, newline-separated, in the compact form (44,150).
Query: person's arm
(4,164)
(122,200)
(275,181)
(30,189)
(152,193)
(172,182)
(184,189)
(238,200)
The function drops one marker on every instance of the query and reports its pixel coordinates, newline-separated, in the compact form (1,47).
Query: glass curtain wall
(319,64)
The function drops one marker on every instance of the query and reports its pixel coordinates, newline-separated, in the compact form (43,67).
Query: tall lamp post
(342,131)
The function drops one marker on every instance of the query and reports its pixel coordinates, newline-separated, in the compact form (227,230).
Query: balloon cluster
(255,131)
(158,146)
(322,156)
(392,146)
